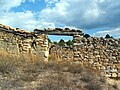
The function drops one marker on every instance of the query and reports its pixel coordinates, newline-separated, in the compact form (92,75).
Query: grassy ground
(31,73)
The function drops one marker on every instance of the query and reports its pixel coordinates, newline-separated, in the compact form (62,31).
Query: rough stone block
(118,75)
(114,75)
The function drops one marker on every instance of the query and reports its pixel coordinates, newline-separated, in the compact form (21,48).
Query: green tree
(86,36)
(61,42)
(107,36)
(55,42)
(112,37)
(69,42)
(49,41)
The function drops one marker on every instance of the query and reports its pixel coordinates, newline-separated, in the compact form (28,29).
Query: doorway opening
(60,40)
(60,47)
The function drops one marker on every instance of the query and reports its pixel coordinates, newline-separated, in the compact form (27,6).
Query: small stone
(114,74)
(118,74)
(97,56)
(102,67)
(103,74)
(96,52)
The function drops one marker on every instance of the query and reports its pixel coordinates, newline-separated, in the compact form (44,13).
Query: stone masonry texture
(100,53)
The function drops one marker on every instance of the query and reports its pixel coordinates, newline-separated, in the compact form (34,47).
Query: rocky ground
(27,73)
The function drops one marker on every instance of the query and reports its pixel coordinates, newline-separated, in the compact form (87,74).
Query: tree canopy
(107,36)
(49,41)
(61,42)
(69,42)
(86,36)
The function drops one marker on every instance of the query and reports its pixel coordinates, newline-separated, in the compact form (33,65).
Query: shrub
(94,86)
(107,36)
(87,77)
(75,69)
(61,42)
(7,63)
(86,36)
(69,42)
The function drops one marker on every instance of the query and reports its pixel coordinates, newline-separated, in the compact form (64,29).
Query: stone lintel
(59,32)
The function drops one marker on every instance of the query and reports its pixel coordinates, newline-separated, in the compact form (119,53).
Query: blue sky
(95,17)
(31,6)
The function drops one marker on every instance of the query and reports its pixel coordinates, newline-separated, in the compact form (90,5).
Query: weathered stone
(77,44)
(107,60)
(108,75)
(114,75)
(103,68)
(97,52)
(97,56)
(103,74)
(118,75)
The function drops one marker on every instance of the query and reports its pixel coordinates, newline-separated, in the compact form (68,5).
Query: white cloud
(51,1)
(8,4)
(33,1)
(75,13)
(114,32)
(24,20)
(83,13)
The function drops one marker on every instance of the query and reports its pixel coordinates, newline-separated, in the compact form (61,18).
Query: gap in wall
(57,38)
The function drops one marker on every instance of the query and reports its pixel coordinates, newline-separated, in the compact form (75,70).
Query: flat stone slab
(59,31)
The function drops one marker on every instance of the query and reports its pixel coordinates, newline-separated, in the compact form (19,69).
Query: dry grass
(28,72)
(7,63)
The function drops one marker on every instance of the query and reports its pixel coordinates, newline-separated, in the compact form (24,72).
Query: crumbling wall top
(16,31)
(59,31)
(49,31)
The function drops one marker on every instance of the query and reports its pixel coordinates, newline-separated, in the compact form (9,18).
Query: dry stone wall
(100,53)
(61,53)
(20,41)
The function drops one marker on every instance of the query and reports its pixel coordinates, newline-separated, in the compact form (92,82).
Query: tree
(61,42)
(86,36)
(107,36)
(111,37)
(69,42)
(49,41)
(55,42)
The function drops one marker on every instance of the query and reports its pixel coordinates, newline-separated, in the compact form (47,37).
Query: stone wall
(100,53)
(15,40)
(61,53)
